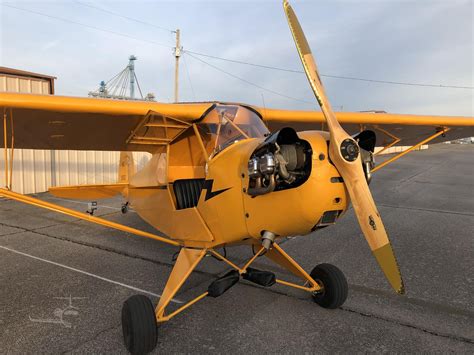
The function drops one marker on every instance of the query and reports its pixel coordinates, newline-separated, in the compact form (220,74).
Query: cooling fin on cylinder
(282,162)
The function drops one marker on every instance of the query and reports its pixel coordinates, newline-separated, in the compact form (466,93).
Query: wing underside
(393,129)
(404,135)
(55,122)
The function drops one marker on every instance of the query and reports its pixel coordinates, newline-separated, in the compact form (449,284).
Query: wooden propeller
(344,153)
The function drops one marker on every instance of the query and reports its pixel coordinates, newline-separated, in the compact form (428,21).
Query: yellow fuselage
(233,215)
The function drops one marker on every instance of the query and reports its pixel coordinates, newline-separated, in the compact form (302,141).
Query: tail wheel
(334,284)
(139,325)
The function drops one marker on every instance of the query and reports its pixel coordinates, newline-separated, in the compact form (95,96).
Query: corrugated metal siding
(26,85)
(89,167)
(398,149)
(32,170)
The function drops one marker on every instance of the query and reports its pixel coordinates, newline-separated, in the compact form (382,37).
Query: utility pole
(131,67)
(177,54)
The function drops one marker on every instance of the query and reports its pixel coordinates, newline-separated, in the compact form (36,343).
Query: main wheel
(334,284)
(139,325)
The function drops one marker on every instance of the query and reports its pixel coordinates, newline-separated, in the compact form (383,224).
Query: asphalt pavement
(63,281)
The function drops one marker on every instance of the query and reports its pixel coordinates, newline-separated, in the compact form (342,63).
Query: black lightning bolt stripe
(209,193)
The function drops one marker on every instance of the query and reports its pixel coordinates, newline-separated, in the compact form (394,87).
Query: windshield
(227,124)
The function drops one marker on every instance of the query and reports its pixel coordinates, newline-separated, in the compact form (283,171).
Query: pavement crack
(32,230)
(425,209)
(21,229)
(107,249)
(407,180)
(426,304)
(77,346)
(425,330)
(12,226)
(13,233)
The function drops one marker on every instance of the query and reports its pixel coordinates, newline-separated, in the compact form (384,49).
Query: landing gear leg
(326,283)
(186,262)
(140,318)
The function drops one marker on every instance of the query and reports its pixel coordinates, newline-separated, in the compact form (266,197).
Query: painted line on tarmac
(87,273)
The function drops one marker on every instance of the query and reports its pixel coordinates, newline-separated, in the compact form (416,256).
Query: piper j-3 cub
(218,177)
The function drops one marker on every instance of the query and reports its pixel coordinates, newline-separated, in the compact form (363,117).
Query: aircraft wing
(406,130)
(58,122)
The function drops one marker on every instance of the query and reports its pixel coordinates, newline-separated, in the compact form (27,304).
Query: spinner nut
(349,149)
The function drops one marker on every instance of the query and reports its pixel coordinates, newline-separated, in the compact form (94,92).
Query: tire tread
(335,284)
(142,324)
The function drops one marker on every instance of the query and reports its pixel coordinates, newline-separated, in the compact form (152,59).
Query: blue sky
(421,41)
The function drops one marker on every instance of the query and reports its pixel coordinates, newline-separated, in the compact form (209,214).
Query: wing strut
(103,222)
(406,151)
(8,160)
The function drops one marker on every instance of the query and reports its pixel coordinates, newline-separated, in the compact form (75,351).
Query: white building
(36,170)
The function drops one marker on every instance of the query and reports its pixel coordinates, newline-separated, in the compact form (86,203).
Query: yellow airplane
(218,177)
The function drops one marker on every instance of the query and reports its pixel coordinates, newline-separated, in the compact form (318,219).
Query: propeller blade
(344,153)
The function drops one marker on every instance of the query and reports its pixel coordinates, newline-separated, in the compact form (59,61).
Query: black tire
(139,325)
(334,284)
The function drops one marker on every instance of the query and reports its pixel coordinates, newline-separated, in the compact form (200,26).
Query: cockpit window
(227,124)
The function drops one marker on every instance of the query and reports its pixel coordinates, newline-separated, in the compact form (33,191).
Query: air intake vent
(328,218)
(187,192)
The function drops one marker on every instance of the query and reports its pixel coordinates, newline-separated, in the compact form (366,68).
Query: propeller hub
(349,149)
